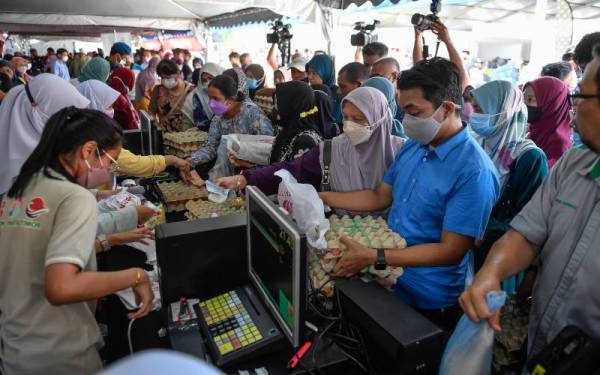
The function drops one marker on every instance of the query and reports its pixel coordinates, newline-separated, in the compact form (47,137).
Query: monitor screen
(275,262)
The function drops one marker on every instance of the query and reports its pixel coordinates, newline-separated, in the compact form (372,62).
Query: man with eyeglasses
(561,227)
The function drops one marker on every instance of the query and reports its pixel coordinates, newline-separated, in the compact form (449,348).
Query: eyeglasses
(114,166)
(575,98)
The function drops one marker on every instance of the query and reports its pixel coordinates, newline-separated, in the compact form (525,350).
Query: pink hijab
(552,132)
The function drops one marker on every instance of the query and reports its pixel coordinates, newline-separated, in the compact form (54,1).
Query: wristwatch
(380,263)
(103,242)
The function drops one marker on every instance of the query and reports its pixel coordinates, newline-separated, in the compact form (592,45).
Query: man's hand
(473,300)
(355,259)
(418,32)
(441,31)
(144,213)
(144,295)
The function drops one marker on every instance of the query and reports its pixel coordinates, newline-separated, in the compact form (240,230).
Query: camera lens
(417,19)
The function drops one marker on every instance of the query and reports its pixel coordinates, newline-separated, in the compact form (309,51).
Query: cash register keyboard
(229,323)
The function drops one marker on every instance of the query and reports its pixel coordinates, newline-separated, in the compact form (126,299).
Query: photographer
(370,53)
(439,29)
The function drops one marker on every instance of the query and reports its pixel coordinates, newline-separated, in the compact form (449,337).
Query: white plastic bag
(470,348)
(303,203)
(253,148)
(118,202)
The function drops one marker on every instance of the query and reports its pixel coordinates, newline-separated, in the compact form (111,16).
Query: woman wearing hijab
(387,89)
(549,116)
(101,96)
(321,70)
(146,80)
(123,80)
(255,78)
(97,68)
(233,115)
(359,157)
(169,97)
(298,112)
(499,122)
(239,77)
(23,115)
(21,77)
(325,120)
(196,106)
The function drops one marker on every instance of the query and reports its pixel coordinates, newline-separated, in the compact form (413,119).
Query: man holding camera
(440,190)
(439,29)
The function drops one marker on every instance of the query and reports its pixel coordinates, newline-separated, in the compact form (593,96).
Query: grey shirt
(54,222)
(563,220)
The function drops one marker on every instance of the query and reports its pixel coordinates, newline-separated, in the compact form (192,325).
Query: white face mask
(357,133)
(65,58)
(21,69)
(169,83)
(422,130)
(110,113)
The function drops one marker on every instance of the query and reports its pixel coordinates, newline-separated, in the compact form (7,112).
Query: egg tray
(176,194)
(186,142)
(266,103)
(199,209)
(177,152)
(368,231)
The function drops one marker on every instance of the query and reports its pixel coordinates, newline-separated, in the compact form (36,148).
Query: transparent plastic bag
(470,348)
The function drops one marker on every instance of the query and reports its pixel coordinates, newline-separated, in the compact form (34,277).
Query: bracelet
(138,277)
(238,179)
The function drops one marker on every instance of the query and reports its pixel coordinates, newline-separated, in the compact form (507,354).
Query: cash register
(255,318)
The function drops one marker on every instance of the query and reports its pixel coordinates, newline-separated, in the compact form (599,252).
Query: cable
(129,336)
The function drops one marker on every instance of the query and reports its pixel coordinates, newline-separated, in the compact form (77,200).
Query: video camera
(280,33)
(364,35)
(423,22)
(281,36)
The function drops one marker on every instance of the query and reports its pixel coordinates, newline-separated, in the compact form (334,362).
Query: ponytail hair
(227,86)
(64,132)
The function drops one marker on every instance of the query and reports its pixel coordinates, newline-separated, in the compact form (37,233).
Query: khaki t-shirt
(54,222)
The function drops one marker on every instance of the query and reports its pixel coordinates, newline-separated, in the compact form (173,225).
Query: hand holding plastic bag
(470,348)
(118,201)
(303,203)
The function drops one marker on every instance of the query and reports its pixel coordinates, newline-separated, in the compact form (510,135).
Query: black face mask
(533,114)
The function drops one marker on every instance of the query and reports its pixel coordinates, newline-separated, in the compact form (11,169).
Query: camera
(364,35)
(280,34)
(423,22)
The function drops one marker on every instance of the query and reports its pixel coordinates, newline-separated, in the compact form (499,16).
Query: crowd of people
(487,184)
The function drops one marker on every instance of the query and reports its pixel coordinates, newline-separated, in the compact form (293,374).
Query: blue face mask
(252,84)
(480,123)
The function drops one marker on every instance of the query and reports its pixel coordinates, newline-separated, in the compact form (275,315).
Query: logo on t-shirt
(36,207)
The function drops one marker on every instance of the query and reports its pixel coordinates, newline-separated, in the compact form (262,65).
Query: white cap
(299,63)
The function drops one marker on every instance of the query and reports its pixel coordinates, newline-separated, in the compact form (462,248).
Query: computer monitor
(151,135)
(277,264)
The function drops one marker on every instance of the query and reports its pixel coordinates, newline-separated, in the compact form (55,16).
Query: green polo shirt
(563,220)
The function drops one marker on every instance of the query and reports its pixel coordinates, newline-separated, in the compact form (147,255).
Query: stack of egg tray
(199,209)
(368,231)
(183,144)
(266,103)
(177,194)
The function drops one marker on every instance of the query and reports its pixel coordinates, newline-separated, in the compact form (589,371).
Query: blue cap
(120,48)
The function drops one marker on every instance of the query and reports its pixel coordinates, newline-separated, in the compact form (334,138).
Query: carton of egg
(183,144)
(199,209)
(368,231)
(177,194)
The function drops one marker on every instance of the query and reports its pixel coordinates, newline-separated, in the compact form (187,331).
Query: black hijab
(298,113)
(325,119)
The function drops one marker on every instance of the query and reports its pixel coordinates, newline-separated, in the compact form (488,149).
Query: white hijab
(188,106)
(21,123)
(100,95)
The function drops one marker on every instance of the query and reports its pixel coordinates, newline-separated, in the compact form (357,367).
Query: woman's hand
(195,179)
(138,235)
(239,163)
(144,214)
(234,182)
(143,295)
(181,164)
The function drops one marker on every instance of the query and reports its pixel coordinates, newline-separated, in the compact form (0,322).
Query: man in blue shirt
(59,65)
(441,189)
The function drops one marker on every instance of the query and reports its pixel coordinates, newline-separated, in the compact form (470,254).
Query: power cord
(129,336)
